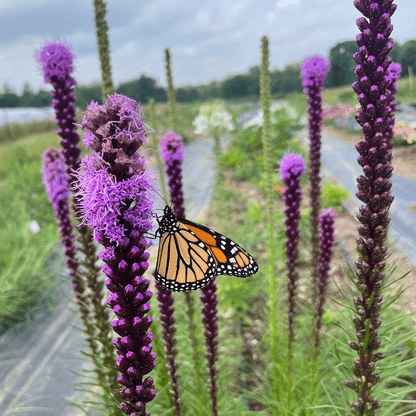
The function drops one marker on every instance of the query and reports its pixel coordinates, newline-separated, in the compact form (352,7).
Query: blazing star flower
(172,152)
(115,197)
(56,59)
(314,71)
(292,167)
(56,182)
(326,241)
(374,190)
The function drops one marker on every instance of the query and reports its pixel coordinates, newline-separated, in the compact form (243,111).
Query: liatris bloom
(292,168)
(113,189)
(326,241)
(374,190)
(173,151)
(314,71)
(209,318)
(56,59)
(56,182)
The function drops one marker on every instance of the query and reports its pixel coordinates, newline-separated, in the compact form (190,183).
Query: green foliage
(286,81)
(333,196)
(187,94)
(86,93)
(245,154)
(24,281)
(341,71)
(143,89)
(348,97)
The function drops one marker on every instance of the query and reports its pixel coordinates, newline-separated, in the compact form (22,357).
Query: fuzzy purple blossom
(326,241)
(172,152)
(115,195)
(375,117)
(56,59)
(292,167)
(314,71)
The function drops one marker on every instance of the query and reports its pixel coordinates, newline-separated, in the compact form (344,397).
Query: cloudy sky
(208,39)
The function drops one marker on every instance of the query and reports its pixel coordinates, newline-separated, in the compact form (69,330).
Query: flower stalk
(114,192)
(103,44)
(267,156)
(56,59)
(326,241)
(374,116)
(314,71)
(172,151)
(292,167)
(171,92)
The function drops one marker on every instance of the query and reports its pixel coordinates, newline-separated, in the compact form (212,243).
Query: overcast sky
(208,39)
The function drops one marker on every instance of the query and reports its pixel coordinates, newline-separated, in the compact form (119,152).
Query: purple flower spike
(326,241)
(56,59)
(114,194)
(209,313)
(167,321)
(292,167)
(172,152)
(314,71)
(375,117)
(54,174)
(56,182)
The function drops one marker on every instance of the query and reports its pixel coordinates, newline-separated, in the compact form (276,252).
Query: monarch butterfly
(191,255)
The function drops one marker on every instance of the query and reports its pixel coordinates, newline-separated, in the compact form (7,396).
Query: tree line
(238,86)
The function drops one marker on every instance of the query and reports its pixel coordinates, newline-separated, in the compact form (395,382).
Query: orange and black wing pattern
(191,255)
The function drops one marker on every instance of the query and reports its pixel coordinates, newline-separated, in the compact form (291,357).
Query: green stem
(171,92)
(267,156)
(103,48)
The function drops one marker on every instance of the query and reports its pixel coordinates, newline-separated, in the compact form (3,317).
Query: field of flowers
(165,335)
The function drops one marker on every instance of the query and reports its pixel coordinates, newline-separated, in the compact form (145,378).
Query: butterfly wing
(184,263)
(230,258)
(191,255)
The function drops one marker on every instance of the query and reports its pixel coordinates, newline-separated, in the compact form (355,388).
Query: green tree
(341,71)
(86,93)
(408,57)
(186,94)
(236,86)
(254,81)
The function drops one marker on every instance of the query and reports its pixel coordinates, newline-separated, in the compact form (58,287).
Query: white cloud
(285,3)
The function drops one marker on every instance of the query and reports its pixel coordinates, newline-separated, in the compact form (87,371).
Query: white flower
(213,118)
(34,227)
(201,124)
(275,106)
